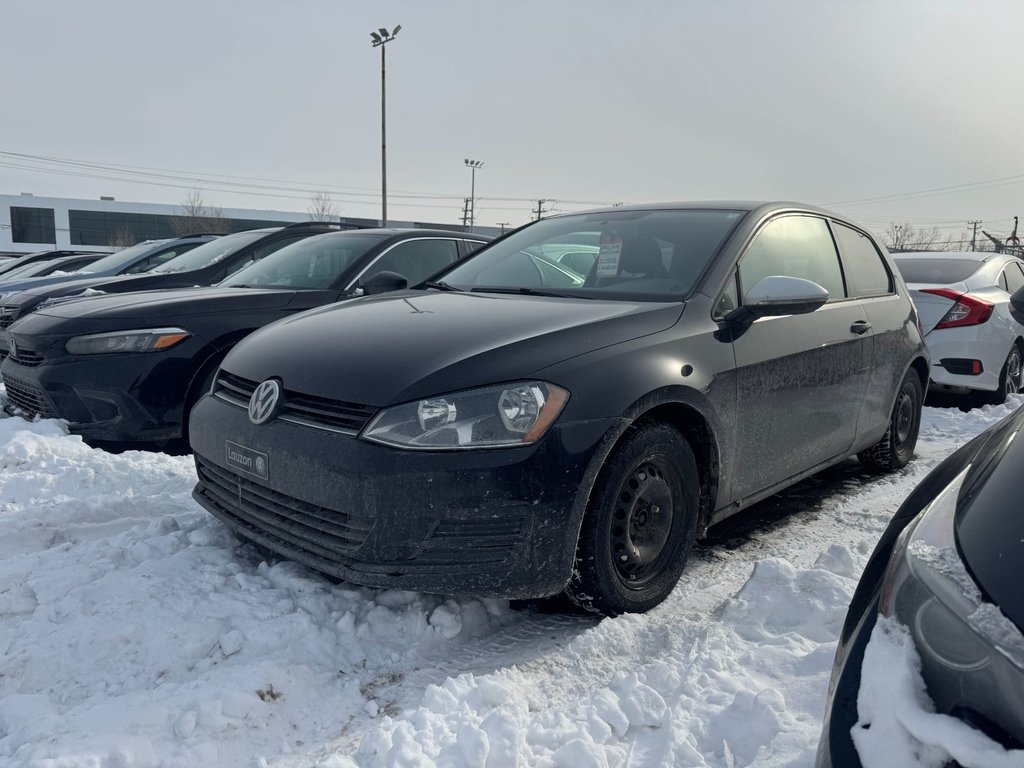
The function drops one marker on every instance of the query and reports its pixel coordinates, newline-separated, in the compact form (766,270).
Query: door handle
(860,327)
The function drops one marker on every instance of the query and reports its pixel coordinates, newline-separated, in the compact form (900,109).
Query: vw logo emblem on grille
(14,347)
(263,403)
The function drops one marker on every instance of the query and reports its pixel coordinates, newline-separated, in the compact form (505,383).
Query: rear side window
(793,246)
(416,260)
(865,271)
(1014,277)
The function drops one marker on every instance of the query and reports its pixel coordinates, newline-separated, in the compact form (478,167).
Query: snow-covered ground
(135,630)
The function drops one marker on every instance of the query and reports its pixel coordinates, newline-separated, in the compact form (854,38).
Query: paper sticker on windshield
(608,255)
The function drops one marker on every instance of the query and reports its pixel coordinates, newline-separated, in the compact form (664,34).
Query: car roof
(393,231)
(978,256)
(760,206)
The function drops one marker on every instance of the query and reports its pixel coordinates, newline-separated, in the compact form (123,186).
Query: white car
(963,301)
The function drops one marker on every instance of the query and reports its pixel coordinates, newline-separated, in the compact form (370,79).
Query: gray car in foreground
(498,430)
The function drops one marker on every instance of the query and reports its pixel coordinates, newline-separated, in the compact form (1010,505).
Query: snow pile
(898,723)
(136,630)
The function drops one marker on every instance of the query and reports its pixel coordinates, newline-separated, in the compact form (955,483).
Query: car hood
(108,284)
(151,307)
(41,283)
(384,350)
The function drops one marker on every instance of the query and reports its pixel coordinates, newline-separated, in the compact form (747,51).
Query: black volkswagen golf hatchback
(506,429)
(947,572)
(127,367)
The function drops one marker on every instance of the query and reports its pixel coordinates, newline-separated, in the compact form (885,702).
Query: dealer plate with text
(247,460)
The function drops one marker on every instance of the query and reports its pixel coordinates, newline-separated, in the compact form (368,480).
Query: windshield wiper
(441,285)
(528,291)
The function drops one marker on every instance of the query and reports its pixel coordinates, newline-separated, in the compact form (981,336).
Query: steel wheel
(640,523)
(643,523)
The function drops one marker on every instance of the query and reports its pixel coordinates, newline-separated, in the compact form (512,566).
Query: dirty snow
(135,630)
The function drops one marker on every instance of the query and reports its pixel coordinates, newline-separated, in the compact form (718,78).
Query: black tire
(896,447)
(640,524)
(1009,379)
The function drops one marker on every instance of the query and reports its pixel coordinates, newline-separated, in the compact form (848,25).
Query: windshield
(211,252)
(315,262)
(116,261)
(936,270)
(656,255)
(26,270)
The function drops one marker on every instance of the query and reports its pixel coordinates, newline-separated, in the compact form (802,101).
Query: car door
(416,259)
(889,315)
(800,378)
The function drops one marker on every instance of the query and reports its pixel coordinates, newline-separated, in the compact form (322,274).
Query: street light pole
(377,40)
(472,165)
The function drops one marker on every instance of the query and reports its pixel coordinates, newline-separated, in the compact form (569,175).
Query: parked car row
(89,360)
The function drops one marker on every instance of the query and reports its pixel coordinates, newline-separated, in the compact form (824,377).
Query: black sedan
(948,570)
(128,367)
(505,431)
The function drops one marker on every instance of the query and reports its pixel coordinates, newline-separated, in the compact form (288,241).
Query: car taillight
(966,310)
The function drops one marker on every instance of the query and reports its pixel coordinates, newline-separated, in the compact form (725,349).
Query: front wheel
(640,525)
(896,447)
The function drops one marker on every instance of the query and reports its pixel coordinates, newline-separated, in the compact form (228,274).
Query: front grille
(324,532)
(27,357)
(27,396)
(298,408)
(8,315)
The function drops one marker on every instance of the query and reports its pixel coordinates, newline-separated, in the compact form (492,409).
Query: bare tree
(122,238)
(197,217)
(904,237)
(322,206)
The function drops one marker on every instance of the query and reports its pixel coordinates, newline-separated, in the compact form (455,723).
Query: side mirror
(780,295)
(1017,305)
(383,282)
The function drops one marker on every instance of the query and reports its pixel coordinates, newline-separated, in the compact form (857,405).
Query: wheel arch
(686,410)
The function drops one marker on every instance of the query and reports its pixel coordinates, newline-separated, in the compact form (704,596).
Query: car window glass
(656,255)
(866,273)
(1002,280)
(1014,277)
(727,301)
(117,261)
(472,245)
(939,270)
(415,260)
(311,263)
(148,263)
(257,254)
(793,246)
(212,252)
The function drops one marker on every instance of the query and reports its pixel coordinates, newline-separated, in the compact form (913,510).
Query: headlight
(927,587)
(491,417)
(147,340)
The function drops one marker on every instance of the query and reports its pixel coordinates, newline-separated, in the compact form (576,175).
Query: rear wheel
(640,525)
(896,447)
(1009,379)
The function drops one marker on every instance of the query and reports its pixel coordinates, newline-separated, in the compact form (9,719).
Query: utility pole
(472,165)
(541,210)
(974,235)
(465,211)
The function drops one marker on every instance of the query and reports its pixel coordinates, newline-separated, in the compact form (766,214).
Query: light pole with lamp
(472,165)
(378,39)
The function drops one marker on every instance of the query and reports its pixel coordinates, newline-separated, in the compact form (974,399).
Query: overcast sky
(583,102)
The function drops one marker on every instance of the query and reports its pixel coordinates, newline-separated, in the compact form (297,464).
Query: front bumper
(499,523)
(135,397)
